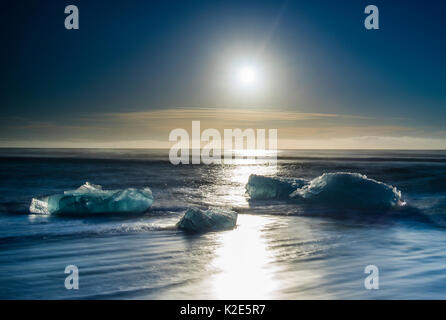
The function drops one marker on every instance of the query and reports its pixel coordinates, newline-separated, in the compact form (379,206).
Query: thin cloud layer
(150,129)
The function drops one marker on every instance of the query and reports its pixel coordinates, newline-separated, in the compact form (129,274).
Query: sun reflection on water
(244,266)
(230,190)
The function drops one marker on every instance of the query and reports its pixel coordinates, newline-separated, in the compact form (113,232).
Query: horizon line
(303,149)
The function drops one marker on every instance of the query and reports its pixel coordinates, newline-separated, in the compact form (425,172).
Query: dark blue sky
(132,56)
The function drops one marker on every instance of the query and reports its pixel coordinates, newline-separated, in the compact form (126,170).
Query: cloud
(150,129)
(223,114)
(342,131)
(367,142)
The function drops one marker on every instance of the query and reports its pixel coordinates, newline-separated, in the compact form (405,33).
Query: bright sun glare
(247,75)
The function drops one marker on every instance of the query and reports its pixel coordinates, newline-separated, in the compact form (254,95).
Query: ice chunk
(38,206)
(343,189)
(262,187)
(196,220)
(92,199)
(349,190)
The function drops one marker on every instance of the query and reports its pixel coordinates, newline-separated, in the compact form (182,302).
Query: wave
(91,231)
(92,199)
(341,189)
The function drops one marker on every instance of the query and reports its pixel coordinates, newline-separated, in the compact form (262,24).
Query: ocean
(278,249)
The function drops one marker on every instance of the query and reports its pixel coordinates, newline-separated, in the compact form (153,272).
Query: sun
(247,79)
(247,76)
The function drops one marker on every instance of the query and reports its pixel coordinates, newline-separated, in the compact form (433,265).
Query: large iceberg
(197,220)
(263,187)
(92,199)
(343,189)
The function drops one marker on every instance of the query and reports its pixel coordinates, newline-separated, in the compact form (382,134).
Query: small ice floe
(263,187)
(197,220)
(91,199)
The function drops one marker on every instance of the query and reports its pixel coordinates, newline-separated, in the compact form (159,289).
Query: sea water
(279,249)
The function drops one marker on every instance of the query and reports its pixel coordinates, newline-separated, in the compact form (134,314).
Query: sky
(135,70)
